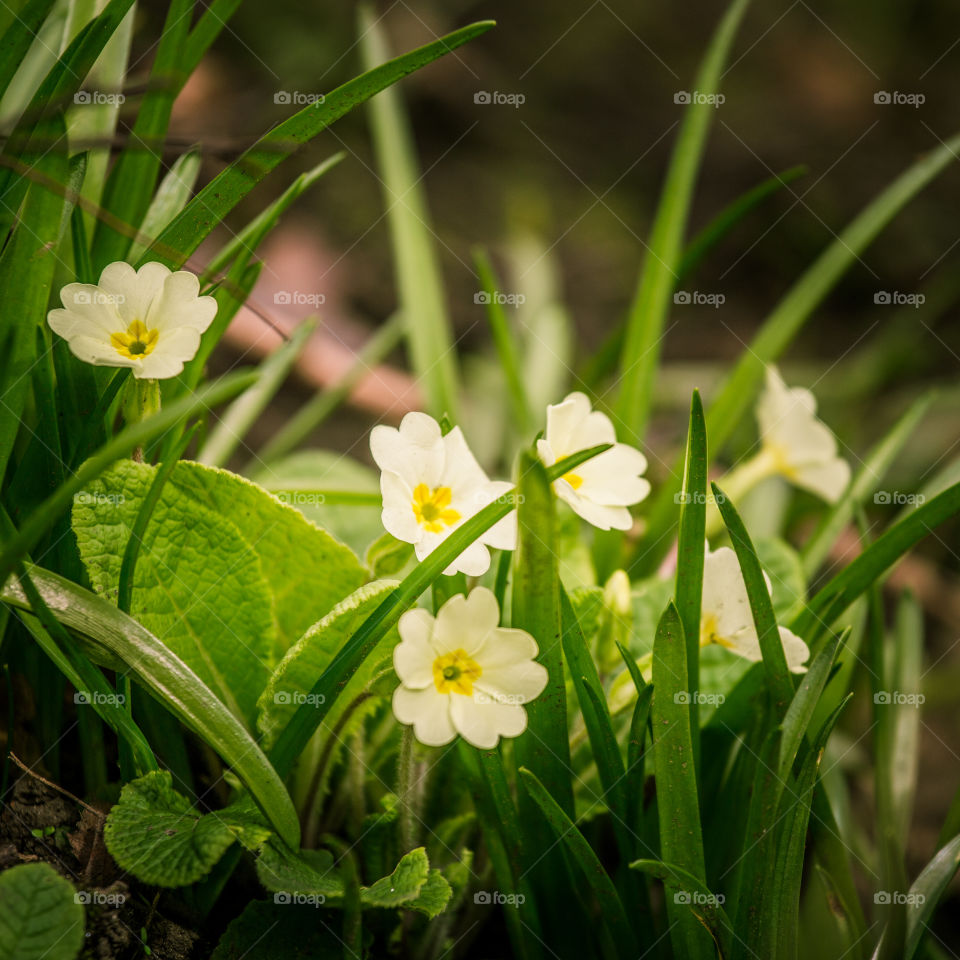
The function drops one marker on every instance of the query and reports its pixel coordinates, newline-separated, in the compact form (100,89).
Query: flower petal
(428,711)
(601,516)
(134,289)
(725,597)
(415,452)
(827,480)
(95,351)
(414,656)
(178,304)
(398,517)
(467,622)
(483,723)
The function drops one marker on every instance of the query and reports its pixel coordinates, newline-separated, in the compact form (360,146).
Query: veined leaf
(40,918)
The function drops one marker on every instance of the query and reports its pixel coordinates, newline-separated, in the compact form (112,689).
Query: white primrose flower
(431,484)
(461,673)
(149,319)
(725,616)
(798,445)
(601,489)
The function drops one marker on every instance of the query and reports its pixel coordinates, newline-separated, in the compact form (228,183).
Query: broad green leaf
(246,410)
(120,640)
(433,897)
(307,570)
(211,205)
(544,747)
(871,473)
(740,387)
(295,931)
(309,872)
(157,835)
(597,879)
(44,517)
(40,918)
(761,605)
(422,299)
(298,731)
(681,840)
(171,197)
(690,550)
(199,584)
(651,304)
(833,598)
(688,891)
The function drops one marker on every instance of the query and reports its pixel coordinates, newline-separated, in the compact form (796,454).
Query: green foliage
(40,918)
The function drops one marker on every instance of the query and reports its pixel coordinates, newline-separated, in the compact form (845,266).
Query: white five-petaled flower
(601,489)
(725,616)
(431,484)
(797,444)
(149,319)
(461,673)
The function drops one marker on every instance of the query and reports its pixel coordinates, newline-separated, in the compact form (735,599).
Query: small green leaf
(158,836)
(40,917)
(309,872)
(403,885)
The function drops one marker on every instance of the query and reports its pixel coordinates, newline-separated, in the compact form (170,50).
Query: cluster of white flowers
(461,672)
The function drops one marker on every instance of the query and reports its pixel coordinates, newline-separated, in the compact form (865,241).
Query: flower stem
(405,789)
(141,399)
(739,482)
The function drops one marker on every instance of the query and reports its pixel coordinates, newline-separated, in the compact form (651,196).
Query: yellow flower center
(432,508)
(137,342)
(708,632)
(455,673)
(574,479)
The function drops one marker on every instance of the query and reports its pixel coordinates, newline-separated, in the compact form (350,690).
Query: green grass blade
(688,890)
(800,712)
(171,197)
(246,242)
(742,384)
(545,747)
(18,37)
(928,889)
(172,682)
(596,716)
(651,304)
(690,550)
(721,225)
(611,907)
(851,582)
(761,606)
(137,435)
(131,182)
(422,300)
(240,416)
(636,757)
(211,205)
(872,472)
(316,410)
(213,19)
(298,731)
(678,805)
(508,350)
